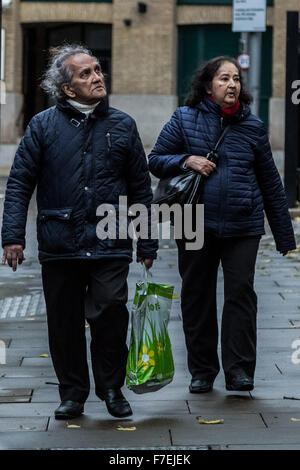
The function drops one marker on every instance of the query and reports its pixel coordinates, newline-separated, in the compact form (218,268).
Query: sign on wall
(249,16)
(244,61)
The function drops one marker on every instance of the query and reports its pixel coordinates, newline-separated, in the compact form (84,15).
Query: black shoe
(201,386)
(116,403)
(240,382)
(69,409)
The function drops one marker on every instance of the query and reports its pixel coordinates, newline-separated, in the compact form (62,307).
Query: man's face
(87,85)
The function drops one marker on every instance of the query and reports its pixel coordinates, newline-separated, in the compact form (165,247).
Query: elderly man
(80,153)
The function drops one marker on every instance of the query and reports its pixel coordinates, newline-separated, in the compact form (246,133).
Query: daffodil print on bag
(160,347)
(150,363)
(146,358)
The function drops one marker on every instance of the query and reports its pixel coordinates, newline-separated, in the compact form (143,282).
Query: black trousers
(199,269)
(97,291)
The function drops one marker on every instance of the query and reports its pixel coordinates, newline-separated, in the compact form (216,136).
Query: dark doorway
(39,38)
(292,111)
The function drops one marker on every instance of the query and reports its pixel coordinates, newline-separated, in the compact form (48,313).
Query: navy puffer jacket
(246,181)
(77,163)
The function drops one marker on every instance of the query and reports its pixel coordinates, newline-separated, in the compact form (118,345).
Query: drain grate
(22,307)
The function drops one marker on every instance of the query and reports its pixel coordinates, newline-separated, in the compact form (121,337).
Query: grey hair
(58,73)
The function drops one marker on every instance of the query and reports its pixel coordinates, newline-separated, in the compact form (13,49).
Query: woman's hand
(200,164)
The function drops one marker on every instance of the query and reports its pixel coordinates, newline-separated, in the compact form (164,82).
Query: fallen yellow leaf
(175,296)
(120,428)
(73,426)
(216,421)
(44,355)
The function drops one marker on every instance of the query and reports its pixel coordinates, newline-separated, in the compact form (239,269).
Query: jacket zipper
(223,192)
(108,140)
(108,153)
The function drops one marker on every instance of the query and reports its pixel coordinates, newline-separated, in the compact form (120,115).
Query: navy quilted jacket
(246,181)
(77,163)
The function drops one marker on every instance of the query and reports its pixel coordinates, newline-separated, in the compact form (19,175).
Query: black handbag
(185,188)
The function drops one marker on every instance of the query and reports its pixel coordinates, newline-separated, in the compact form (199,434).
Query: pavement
(268,418)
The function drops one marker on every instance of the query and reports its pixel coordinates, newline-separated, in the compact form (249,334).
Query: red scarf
(228,111)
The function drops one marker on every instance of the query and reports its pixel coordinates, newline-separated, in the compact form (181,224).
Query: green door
(199,43)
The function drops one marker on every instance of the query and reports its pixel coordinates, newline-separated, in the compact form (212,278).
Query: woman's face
(226,86)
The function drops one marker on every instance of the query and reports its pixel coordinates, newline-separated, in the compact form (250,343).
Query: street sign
(249,16)
(244,61)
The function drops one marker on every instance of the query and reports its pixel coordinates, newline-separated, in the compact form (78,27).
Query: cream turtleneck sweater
(83,108)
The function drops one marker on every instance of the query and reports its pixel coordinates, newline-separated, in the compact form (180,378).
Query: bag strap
(223,133)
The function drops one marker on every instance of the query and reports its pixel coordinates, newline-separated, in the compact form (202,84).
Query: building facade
(149,51)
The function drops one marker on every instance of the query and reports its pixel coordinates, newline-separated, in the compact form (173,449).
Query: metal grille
(22,307)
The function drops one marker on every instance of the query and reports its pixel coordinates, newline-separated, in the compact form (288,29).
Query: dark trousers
(97,291)
(199,270)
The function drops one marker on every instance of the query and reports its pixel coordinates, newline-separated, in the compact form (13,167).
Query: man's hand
(148,262)
(200,164)
(13,254)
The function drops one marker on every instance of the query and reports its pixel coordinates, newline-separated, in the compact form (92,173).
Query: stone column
(11,110)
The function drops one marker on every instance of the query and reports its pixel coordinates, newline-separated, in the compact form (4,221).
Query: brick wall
(144,54)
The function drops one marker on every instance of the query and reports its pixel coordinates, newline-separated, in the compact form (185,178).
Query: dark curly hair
(204,76)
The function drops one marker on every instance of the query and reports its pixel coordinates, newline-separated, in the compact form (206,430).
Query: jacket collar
(101,109)
(209,106)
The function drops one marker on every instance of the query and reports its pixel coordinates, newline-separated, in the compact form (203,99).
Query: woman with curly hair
(238,188)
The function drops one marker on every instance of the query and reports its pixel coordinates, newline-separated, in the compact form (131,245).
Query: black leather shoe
(69,409)
(240,382)
(201,386)
(116,403)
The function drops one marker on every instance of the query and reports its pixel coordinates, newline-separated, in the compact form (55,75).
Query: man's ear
(68,90)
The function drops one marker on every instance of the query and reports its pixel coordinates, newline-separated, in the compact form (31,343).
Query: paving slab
(16,392)
(154,435)
(26,372)
(32,382)
(190,432)
(283,419)
(23,424)
(37,362)
(227,405)
(36,342)
(270,447)
(33,328)
(50,394)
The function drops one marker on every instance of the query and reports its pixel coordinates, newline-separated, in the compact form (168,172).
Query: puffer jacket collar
(101,109)
(208,106)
